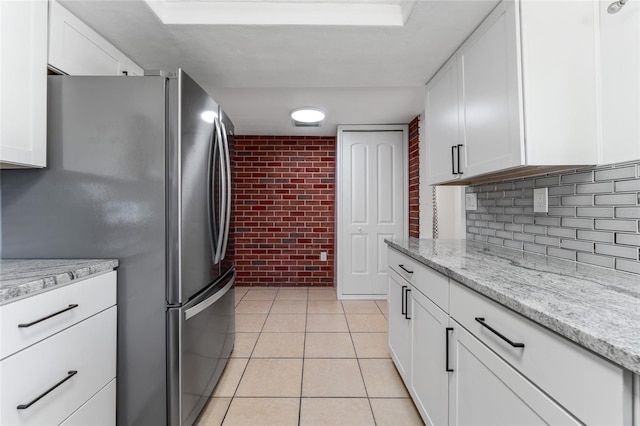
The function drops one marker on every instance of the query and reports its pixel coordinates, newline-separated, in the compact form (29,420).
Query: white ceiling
(259,73)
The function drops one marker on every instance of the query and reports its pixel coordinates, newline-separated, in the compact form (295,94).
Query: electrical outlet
(541,200)
(471,201)
(323,256)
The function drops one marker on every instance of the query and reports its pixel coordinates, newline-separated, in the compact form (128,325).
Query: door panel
(359,258)
(372,207)
(386,190)
(358,178)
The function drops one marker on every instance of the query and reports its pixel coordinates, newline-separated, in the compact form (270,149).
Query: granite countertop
(20,278)
(595,307)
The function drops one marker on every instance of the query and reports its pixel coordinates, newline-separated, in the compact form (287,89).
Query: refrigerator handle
(223,195)
(195,310)
(227,219)
(210,190)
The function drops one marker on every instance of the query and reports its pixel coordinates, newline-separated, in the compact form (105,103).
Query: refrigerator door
(201,337)
(192,230)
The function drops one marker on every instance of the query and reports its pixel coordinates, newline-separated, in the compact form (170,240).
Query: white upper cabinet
(23,83)
(442,130)
(489,95)
(620,83)
(527,94)
(76,49)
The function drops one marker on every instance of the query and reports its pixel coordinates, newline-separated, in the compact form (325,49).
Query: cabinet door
(23,83)
(442,126)
(429,376)
(399,325)
(487,391)
(490,94)
(76,49)
(620,85)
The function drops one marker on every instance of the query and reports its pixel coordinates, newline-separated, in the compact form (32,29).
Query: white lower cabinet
(485,390)
(84,356)
(399,324)
(429,376)
(59,364)
(98,411)
(483,364)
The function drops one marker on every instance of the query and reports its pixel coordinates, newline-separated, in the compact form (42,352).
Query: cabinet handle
(403,301)
(497,333)
(459,148)
(48,316)
(446,367)
(453,160)
(406,303)
(405,269)
(70,374)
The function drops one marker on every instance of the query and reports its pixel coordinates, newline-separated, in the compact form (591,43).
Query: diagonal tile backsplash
(594,215)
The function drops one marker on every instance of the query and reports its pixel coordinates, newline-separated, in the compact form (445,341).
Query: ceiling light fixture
(616,6)
(307,115)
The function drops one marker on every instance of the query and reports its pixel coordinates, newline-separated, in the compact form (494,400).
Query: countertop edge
(596,345)
(10,292)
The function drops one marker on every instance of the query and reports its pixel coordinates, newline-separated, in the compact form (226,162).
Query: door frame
(404,128)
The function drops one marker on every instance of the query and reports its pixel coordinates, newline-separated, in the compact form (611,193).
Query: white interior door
(372,206)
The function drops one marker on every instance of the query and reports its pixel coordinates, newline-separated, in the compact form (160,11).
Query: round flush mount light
(307,115)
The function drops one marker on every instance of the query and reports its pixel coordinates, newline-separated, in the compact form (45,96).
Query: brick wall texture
(414,178)
(284,210)
(594,216)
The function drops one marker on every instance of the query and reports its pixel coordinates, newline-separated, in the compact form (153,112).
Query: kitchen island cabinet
(58,352)
(518,333)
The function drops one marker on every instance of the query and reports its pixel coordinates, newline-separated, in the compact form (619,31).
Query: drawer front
(89,348)
(432,284)
(91,296)
(98,411)
(590,387)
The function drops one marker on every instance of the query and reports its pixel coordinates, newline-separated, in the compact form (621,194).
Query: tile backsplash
(594,215)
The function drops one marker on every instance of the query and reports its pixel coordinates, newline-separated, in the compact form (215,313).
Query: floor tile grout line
(364,383)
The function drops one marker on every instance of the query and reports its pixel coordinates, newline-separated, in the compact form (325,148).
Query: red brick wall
(414,178)
(284,210)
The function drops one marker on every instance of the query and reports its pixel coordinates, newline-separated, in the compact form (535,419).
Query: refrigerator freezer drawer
(201,337)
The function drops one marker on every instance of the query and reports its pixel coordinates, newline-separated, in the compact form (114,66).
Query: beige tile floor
(304,358)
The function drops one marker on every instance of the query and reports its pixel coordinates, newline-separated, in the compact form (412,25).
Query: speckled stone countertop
(595,307)
(20,278)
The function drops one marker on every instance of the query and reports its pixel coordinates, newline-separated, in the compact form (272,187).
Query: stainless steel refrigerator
(139,169)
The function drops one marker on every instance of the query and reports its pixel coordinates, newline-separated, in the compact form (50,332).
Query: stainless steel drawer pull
(48,316)
(497,333)
(405,269)
(70,374)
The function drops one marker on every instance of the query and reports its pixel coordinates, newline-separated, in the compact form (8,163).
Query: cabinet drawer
(89,348)
(591,388)
(429,282)
(98,411)
(92,295)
